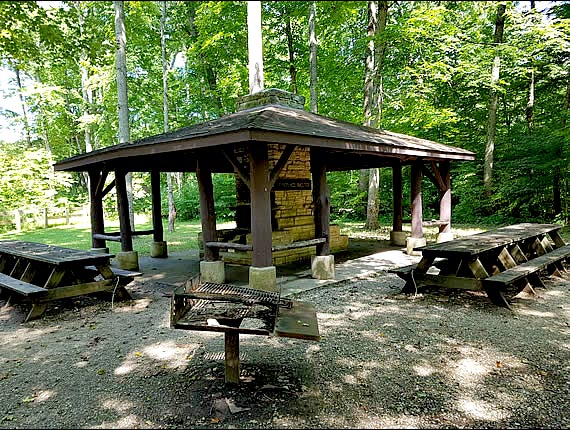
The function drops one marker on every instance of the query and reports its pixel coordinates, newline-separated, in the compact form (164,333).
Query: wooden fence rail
(23,218)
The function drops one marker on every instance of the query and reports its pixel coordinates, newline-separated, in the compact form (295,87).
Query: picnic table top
(479,243)
(55,255)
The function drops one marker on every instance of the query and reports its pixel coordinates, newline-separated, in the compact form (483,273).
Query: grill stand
(233,310)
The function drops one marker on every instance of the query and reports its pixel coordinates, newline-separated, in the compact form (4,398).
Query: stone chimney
(271,96)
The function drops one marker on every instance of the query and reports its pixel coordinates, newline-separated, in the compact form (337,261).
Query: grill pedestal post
(231,341)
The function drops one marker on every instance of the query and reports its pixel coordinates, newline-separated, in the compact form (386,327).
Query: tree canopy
(436,81)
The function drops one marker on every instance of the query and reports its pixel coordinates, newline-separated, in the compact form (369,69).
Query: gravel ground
(441,359)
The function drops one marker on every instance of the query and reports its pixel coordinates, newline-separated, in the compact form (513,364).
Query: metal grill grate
(242,293)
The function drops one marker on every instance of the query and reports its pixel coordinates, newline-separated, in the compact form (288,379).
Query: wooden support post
(232,364)
(207,209)
(445,197)
(158,232)
(397,197)
(96,209)
(321,201)
(123,209)
(260,195)
(416,200)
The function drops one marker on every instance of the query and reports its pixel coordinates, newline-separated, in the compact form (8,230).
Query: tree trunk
(23,104)
(373,98)
(313,57)
(292,69)
(493,101)
(365,181)
(171,207)
(123,104)
(558,177)
(254,47)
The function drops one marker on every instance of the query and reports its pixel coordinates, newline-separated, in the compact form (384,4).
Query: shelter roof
(346,146)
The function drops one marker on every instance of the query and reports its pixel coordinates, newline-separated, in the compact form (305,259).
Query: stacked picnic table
(38,273)
(500,262)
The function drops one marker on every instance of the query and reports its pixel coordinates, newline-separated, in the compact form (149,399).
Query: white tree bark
(313,85)
(171,207)
(122,96)
(254,47)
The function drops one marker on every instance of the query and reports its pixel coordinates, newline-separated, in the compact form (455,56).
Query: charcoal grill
(234,310)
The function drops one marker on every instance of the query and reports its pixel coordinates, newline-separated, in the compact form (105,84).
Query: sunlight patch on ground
(481,410)
(22,335)
(469,371)
(119,405)
(173,354)
(133,306)
(128,422)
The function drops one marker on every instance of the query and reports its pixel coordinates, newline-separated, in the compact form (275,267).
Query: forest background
(490,77)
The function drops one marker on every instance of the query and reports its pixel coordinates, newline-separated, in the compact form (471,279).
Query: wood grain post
(123,209)
(397,197)
(96,209)
(321,201)
(445,197)
(232,364)
(416,200)
(158,232)
(207,209)
(260,194)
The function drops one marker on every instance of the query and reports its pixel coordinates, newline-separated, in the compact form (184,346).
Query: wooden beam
(108,188)
(123,209)
(321,201)
(416,200)
(444,176)
(158,232)
(397,197)
(241,172)
(260,197)
(285,155)
(101,178)
(96,208)
(207,209)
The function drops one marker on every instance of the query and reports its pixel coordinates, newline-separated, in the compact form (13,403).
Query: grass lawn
(78,236)
(185,236)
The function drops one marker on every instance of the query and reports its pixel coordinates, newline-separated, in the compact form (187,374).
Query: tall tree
(373,96)
(493,100)
(313,85)
(171,206)
(122,95)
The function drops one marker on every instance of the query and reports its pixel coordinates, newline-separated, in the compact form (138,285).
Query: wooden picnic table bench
(39,273)
(495,261)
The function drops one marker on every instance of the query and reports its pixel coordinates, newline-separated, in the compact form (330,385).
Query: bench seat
(119,272)
(21,287)
(529,267)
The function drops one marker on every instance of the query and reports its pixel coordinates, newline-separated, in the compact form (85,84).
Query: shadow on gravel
(436,360)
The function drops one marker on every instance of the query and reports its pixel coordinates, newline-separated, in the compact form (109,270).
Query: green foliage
(27,178)
(435,76)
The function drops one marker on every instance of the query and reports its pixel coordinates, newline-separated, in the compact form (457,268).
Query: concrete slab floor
(364,258)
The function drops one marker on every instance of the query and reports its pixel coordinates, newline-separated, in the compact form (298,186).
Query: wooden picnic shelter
(270,122)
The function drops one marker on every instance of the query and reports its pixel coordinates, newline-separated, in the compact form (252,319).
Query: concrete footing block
(263,278)
(322,266)
(444,237)
(159,249)
(212,271)
(128,260)
(398,238)
(414,242)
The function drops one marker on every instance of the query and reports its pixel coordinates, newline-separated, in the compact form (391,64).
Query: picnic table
(39,273)
(504,260)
